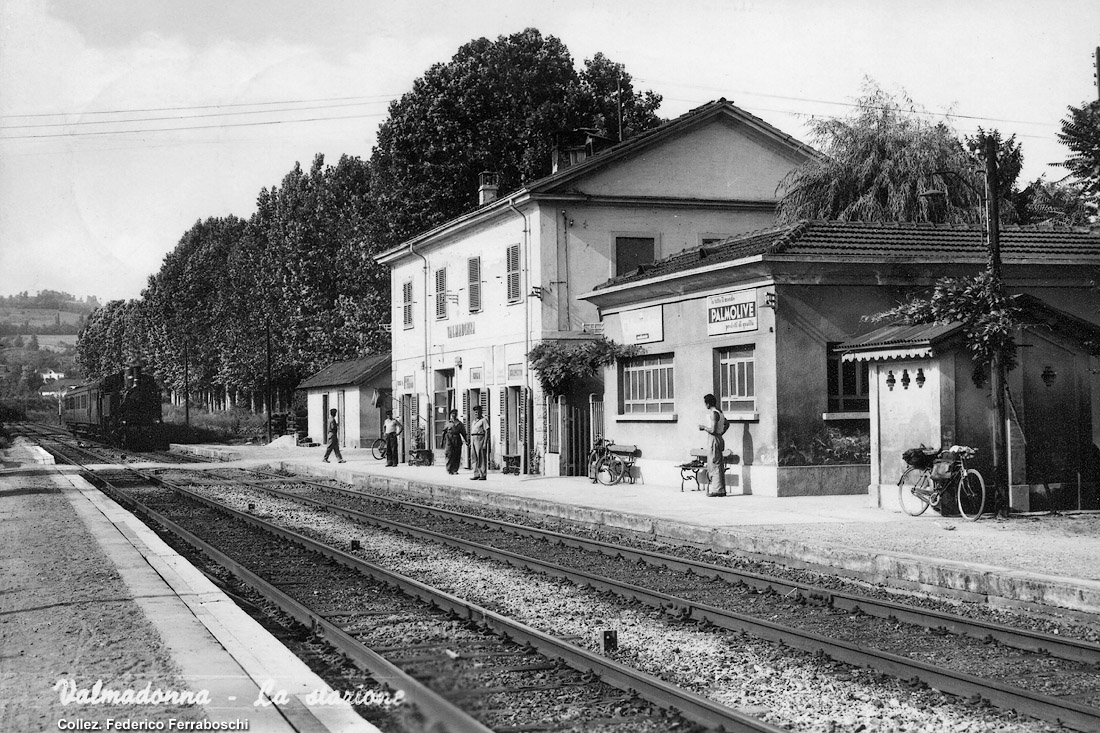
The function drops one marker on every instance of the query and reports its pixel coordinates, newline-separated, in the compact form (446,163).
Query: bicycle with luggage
(941,480)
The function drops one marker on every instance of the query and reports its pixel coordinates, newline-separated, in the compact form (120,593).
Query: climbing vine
(560,365)
(988,316)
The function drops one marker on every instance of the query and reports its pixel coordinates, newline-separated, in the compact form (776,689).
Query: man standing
(454,435)
(391,428)
(479,444)
(715,427)
(333,437)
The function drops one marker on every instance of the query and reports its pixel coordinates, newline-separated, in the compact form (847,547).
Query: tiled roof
(355,371)
(881,242)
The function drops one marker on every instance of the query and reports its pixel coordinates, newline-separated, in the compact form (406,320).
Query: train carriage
(124,409)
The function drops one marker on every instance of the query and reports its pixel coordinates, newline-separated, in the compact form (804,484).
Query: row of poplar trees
(301,271)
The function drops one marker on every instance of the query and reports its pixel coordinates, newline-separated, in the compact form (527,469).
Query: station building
(472,296)
(757,321)
(359,390)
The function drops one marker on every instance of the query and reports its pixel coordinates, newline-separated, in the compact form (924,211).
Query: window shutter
(513,273)
(466,405)
(441,293)
(503,427)
(522,417)
(473,267)
(406,304)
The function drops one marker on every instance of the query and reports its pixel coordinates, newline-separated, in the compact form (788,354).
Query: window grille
(647,385)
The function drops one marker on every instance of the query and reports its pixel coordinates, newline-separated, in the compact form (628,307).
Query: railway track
(1041,675)
(1018,667)
(570,688)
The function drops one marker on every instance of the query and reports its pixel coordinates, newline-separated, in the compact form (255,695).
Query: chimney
(487,186)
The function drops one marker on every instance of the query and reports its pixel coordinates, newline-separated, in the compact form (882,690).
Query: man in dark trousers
(391,428)
(333,437)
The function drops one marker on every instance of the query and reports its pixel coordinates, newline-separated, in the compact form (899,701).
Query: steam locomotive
(123,409)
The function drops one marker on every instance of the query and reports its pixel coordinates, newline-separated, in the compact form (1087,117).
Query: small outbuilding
(359,389)
(924,391)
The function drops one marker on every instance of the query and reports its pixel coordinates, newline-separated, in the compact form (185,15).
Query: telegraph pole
(1001,478)
(267,330)
(1098,72)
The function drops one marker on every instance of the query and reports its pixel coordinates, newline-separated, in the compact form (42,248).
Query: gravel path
(66,614)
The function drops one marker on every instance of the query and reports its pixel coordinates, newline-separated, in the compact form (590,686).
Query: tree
(877,163)
(495,106)
(1081,134)
(1057,203)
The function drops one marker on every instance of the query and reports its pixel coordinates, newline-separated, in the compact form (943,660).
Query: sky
(123,122)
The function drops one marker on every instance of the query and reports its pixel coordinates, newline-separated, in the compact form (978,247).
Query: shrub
(829,446)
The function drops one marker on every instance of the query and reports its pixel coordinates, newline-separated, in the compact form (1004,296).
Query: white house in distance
(359,389)
(472,296)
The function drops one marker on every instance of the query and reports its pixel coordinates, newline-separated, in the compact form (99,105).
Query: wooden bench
(627,454)
(696,467)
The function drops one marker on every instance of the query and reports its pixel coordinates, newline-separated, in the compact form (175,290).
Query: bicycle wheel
(914,488)
(609,470)
(971,488)
(378,449)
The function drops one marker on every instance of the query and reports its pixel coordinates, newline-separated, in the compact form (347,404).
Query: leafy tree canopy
(496,106)
(1081,134)
(876,163)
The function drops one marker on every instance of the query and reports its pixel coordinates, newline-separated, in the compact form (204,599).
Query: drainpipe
(526,332)
(427,392)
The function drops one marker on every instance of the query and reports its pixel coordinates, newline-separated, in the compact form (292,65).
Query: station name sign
(731,312)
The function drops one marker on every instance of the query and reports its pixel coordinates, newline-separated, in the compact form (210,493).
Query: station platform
(93,601)
(1047,563)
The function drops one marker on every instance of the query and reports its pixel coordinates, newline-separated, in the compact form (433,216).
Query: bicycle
(378,448)
(930,479)
(604,466)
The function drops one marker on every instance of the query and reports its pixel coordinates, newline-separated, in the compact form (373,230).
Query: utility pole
(1097,75)
(267,325)
(1001,478)
(186,383)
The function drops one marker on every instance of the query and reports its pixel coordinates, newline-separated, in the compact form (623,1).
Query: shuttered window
(441,294)
(407,304)
(514,294)
(473,269)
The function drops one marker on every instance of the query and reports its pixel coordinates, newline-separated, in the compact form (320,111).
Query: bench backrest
(626,450)
(727,455)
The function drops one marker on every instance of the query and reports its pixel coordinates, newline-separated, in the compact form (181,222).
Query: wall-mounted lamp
(536,292)
(770,300)
(458,362)
(1048,375)
(890,381)
(920,378)
(905,378)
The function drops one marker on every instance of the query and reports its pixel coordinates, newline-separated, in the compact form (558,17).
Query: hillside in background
(48,312)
